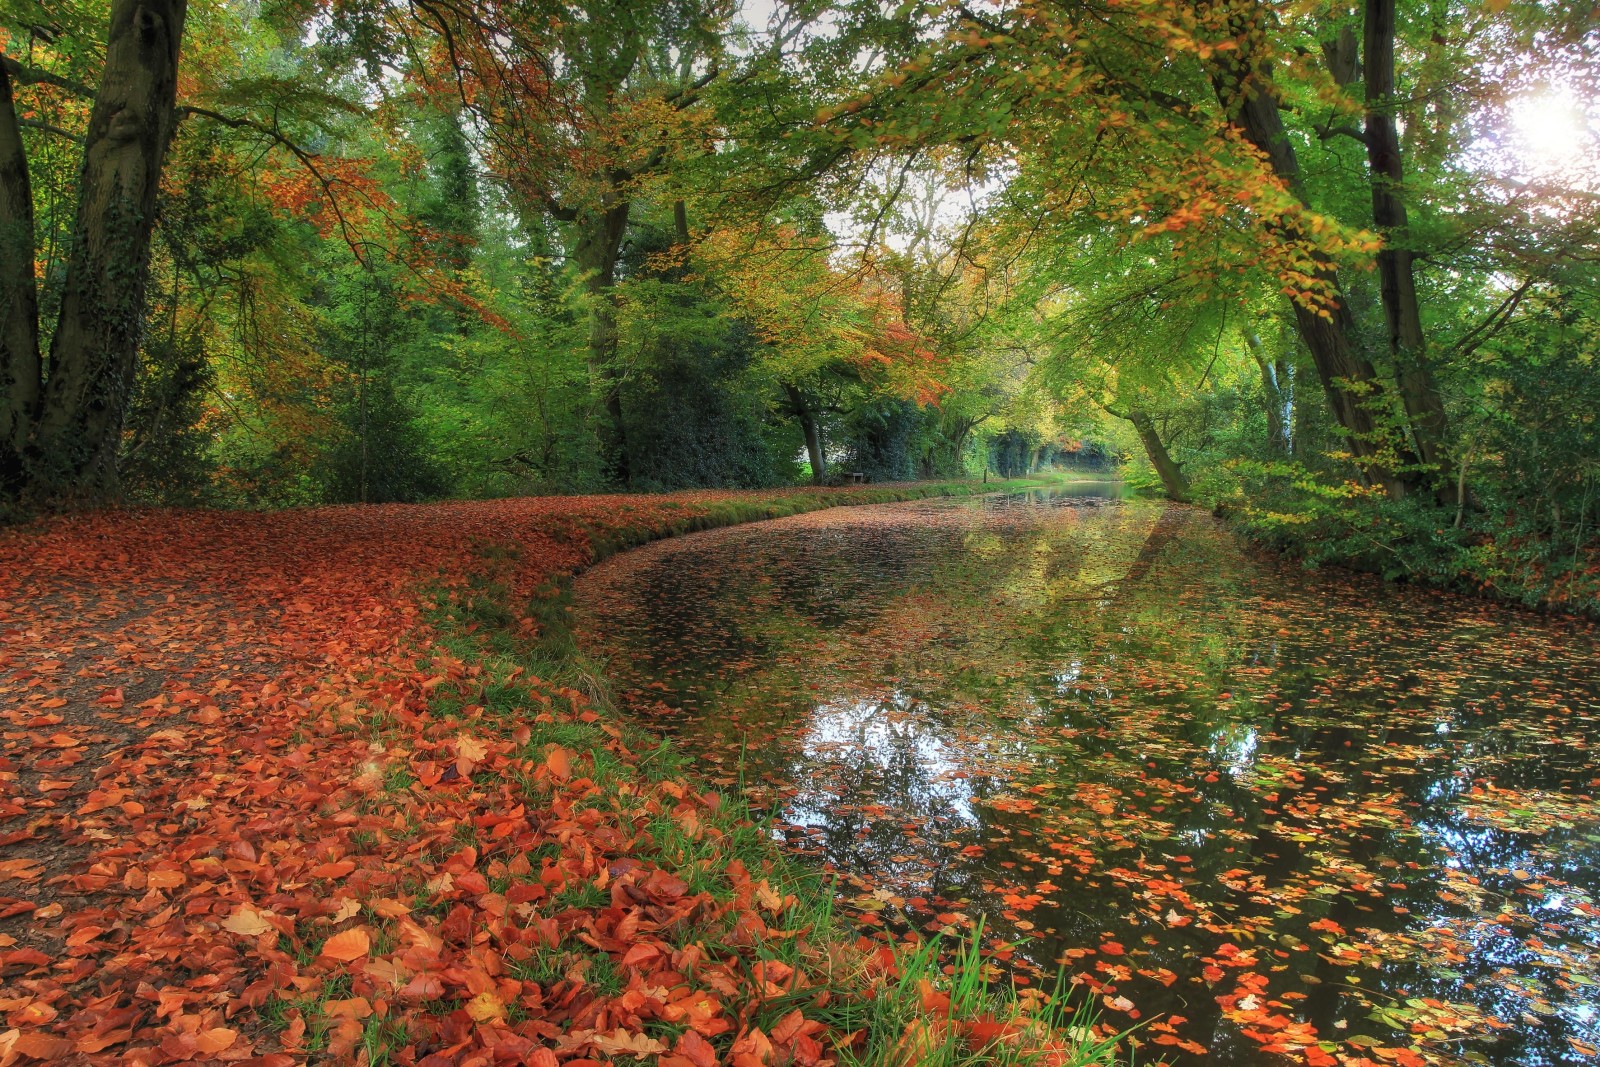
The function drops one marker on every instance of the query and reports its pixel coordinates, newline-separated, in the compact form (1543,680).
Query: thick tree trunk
(19,300)
(599,246)
(1172,478)
(1353,388)
(813,432)
(1396,268)
(94,352)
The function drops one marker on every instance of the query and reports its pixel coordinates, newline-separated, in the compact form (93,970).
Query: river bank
(266,802)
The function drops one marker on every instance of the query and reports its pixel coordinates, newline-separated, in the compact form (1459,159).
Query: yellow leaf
(486,1008)
(247,921)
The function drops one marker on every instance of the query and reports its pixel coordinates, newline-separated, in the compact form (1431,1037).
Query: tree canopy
(1328,264)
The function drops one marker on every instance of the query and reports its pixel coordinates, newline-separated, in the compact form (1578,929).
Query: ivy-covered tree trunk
(1419,392)
(19,299)
(1354,390)
(598,248)
(69,448)
(1274,383)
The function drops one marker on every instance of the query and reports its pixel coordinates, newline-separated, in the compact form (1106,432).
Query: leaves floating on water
(1274,812)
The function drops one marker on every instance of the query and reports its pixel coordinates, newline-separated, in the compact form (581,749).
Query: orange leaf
(350,945)
(215,1040)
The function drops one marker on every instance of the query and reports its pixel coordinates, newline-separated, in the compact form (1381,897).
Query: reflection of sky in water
(1235,748)
(876,739)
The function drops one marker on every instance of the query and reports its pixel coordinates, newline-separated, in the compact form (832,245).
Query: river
(1273,816)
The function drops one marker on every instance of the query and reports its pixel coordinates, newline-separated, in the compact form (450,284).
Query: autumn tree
(66,386)
(1192,119)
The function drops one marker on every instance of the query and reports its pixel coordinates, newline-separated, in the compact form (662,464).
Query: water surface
(1275,816)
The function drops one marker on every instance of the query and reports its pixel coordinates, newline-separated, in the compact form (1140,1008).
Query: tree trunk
(1354,391)
(1172,479)
(1272,384)
(1396,268)
(598,248)
(958,445)
(813,432)
(95,348)
(19,299)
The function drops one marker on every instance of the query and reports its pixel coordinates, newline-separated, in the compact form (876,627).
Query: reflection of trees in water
(1092,652)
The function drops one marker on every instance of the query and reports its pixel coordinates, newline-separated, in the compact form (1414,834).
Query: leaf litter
(257,810)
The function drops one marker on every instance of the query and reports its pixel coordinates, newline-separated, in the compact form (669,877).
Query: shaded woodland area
(1329,266)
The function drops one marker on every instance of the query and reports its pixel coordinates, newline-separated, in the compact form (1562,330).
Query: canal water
(1270,816)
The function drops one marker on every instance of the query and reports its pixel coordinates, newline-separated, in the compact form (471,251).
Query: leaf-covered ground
(1273,817)
(268,798)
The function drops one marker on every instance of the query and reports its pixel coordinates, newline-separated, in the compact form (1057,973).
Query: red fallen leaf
(83,935)
(25,955)
(982,1032)
(351,1008)
(335,869)
(640,953)
(347,946)
(423,987)
(164,879)
(89,1044)
(559,763)
(343,1036)
(664,887)
(693,1050)
(40,1045)
(23,870)
(111,698)
(794,1025)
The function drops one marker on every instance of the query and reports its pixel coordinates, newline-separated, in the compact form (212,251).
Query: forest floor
(321,785)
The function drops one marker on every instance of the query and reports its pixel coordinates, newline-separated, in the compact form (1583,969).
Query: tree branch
(1328,132)
(34,76)
(307,160)
(38,124)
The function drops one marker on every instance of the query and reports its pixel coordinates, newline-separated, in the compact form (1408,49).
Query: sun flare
(1552,131)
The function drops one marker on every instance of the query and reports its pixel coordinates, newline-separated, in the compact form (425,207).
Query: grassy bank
(1480,554)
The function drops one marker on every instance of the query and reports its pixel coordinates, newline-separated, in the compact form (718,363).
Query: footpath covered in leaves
(263,802)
